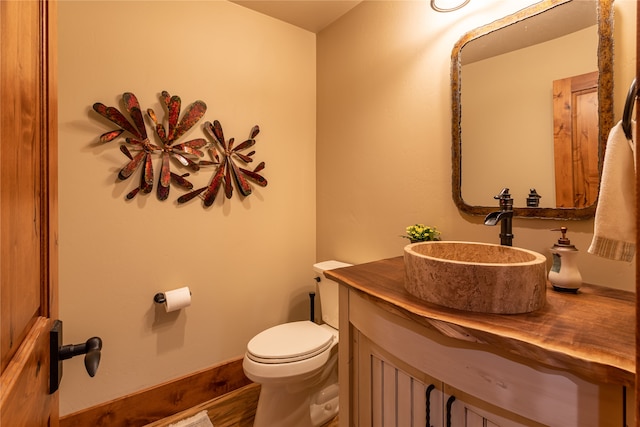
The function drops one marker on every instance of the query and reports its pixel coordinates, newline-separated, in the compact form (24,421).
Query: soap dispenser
(564,274)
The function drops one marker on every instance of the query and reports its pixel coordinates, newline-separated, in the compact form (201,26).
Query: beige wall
(248,262)
(384,139)
(379,160)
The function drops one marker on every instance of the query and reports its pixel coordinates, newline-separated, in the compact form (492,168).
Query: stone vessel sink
(478,277)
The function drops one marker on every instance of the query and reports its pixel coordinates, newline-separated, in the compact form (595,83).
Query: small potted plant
(421,233)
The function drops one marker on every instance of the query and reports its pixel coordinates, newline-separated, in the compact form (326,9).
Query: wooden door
(28,211)
(637,107)
(576,137)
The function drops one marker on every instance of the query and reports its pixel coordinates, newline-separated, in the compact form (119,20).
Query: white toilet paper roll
(177,299)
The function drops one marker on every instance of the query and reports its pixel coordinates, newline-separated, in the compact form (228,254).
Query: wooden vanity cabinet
(396,371)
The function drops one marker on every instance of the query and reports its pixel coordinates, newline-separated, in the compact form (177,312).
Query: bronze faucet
(504,216)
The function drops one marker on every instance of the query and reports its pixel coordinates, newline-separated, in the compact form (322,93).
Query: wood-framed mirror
(505,132)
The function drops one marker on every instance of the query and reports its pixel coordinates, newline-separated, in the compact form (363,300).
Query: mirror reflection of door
(575,137)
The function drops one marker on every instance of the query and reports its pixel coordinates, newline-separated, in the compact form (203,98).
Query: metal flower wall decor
(225,159)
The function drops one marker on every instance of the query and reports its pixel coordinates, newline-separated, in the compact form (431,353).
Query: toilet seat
(289,342)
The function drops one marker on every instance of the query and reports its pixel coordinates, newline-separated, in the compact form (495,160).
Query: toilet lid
(289,342)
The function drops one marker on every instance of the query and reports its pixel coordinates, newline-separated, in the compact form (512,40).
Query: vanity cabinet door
(392,394)
(397,395)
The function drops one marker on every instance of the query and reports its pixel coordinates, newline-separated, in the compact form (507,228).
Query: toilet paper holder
(159,298)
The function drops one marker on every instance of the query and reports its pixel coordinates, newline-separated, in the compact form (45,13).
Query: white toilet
(296,365)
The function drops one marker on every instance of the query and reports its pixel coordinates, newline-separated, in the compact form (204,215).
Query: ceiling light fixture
(456,5)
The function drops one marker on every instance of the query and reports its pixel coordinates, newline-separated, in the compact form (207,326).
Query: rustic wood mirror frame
(605,104)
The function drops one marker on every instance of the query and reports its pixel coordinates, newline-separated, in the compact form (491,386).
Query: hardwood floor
(235,409)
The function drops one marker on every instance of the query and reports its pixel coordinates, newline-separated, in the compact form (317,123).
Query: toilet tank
(328,291)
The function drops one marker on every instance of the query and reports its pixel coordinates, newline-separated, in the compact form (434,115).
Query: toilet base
(276,407)
(279,407)
(324,405)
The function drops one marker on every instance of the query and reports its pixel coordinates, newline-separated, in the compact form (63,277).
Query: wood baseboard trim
(160,401)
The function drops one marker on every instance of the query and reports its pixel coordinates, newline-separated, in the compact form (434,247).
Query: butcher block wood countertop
(591,333)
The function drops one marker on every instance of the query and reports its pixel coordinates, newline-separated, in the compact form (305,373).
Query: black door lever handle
(91,349)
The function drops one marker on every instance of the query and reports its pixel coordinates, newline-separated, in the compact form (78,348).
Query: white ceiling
(312,15)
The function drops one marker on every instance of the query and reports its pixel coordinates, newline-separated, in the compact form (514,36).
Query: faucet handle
(504,194)
(506,202)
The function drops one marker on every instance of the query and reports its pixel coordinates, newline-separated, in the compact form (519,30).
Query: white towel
(614,234)
(201,419)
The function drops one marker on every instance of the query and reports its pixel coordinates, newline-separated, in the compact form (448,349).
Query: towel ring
(628,109)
